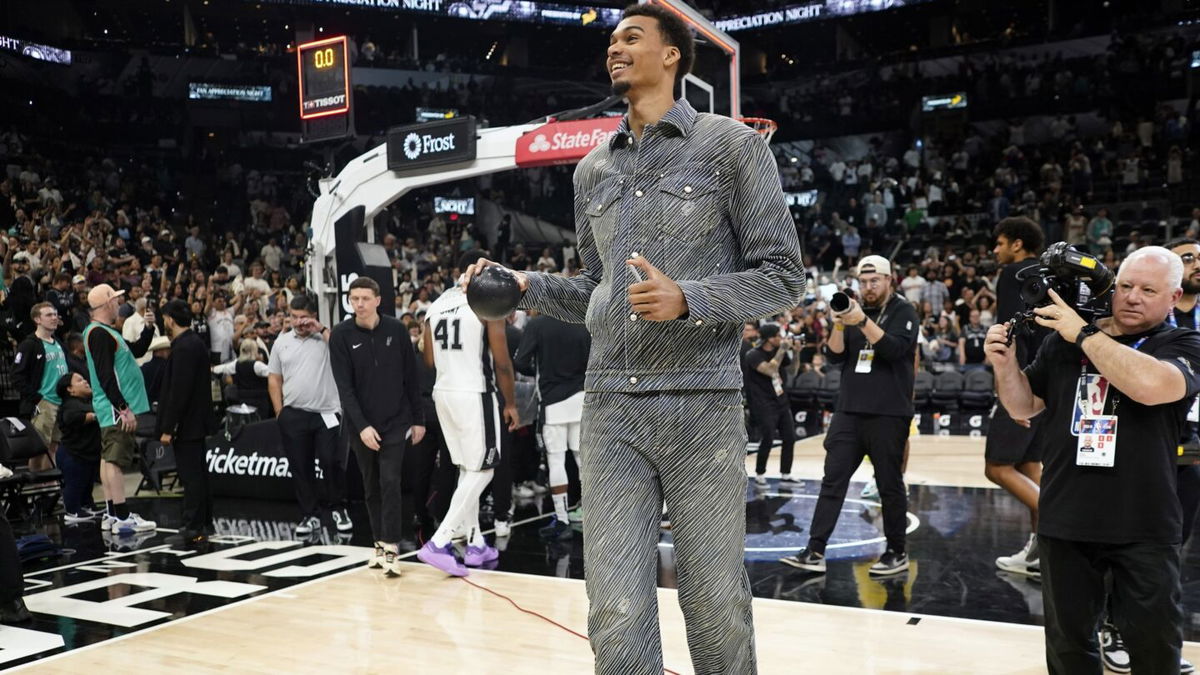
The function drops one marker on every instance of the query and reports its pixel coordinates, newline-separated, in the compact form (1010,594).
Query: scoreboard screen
(324,78)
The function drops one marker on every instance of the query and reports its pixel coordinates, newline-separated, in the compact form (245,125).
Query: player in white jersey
(471,357)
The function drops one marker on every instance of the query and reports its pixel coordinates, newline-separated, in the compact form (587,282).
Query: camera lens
(840,302)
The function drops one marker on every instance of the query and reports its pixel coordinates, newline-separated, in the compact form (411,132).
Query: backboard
(714,85)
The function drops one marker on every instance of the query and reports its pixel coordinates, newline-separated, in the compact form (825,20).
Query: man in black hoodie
(375,368)
(185,417)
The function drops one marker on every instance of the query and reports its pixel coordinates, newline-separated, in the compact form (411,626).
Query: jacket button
(687,188)
(633,380)
(699,322)
(633,317)
(638,193)
(633,255)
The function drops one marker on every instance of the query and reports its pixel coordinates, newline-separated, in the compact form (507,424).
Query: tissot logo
(431,143)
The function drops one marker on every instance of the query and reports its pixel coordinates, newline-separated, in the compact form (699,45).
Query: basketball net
(765,127)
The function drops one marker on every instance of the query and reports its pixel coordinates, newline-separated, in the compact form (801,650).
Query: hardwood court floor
(933,460)
(360,622)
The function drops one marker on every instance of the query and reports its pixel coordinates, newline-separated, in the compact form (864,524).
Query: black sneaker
(557,529)
(890,563)
(1112,650)
(341,520)
(806,560)
(14,612)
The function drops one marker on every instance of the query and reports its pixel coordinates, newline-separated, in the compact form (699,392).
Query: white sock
(477,539)
(560,507)
(464,505)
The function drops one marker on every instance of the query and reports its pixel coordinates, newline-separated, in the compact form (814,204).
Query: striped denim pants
(687,449)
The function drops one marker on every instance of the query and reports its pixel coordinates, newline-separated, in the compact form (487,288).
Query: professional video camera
(1080,279)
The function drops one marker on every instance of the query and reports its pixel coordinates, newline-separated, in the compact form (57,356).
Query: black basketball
(493,293)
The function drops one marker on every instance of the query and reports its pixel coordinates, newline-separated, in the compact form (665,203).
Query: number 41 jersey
(460,349)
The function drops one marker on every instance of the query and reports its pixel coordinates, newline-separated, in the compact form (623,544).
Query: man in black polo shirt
(874,347)
(970,343)
(765,366)
(1114,396)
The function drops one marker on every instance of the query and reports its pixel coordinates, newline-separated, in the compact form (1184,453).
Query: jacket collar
(681,117)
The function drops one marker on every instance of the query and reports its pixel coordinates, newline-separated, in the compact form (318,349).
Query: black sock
(122,510)
(108,508)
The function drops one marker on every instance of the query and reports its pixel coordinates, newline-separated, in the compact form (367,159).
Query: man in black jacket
(375,369)
(185,417)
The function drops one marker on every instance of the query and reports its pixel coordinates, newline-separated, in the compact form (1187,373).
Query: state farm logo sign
(564,142)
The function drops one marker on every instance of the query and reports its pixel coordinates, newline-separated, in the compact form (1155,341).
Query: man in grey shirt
(684,235)
(305,399)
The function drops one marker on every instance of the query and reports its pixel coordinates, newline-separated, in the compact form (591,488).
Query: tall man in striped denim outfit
(684,235)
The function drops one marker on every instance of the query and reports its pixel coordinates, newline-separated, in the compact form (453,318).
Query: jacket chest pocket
(689,204)
(601,210)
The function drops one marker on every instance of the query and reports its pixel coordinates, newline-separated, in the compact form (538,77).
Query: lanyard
(1083,381)
(882,318)
(1195,317)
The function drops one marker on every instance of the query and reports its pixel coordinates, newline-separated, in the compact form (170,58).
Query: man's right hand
(477,267)
(128,421)
(370,438)
(999,353)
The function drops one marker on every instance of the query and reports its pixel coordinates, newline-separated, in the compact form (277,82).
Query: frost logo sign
(431,143)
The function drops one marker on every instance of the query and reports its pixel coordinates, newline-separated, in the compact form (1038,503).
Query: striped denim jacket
(699,197)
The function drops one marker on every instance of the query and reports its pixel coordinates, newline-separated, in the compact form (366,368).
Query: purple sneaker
(441,558)
(476,557)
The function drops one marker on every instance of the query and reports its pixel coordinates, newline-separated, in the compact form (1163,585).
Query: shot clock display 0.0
(324,78)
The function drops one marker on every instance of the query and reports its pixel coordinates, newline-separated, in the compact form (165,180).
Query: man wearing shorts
(40,361)
(118,397)
(1012,453)
(472,359)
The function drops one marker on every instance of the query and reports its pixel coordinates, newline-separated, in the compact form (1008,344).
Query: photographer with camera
(769,404)
(1012,452)
(1114,395)
(874,346)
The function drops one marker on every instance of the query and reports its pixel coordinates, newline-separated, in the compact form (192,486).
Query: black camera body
(1080,279)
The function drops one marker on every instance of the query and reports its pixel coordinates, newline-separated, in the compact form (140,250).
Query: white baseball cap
(874,264)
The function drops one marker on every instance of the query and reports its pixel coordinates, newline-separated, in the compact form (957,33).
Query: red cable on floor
(543,618)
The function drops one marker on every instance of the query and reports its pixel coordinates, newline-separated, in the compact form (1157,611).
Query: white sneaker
(1024,561)
(503,528)
(786,480)
(523,491)
(1186,667)
(870,490)
(760,480)
(391,564)
(106,522)
(80,517)
(307,526)
(134,523)
(376,559)
(1112,650)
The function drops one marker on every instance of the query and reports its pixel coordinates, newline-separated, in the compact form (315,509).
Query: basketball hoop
(765,127)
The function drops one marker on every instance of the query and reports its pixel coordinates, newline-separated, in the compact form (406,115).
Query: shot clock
(324,78)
